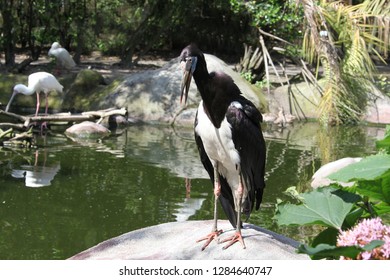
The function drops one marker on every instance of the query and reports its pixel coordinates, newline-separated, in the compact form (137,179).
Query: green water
(97,190)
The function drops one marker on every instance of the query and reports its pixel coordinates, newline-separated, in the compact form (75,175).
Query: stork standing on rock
(229,140)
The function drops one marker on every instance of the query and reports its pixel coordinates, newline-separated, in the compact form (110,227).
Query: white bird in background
(63,58)
(320,177)
(37,82)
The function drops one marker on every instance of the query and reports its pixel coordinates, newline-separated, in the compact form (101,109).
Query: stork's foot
(237,237)
(212,235)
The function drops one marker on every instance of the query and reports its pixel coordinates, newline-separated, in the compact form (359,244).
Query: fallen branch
(12,115)
(62,117)
(106,113)
(13,125)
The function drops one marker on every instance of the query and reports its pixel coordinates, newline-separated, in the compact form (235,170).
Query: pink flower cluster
(365,232)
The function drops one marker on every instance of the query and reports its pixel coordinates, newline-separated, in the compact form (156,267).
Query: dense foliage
(351,216)
(126,28)
(351,35)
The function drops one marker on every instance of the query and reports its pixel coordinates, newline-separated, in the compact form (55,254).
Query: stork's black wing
(226,197)
(249,141)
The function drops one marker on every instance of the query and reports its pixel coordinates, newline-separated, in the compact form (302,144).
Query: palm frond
(352,34)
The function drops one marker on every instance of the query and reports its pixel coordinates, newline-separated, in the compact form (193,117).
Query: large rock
(283,97)
(377,112)
(154,95)
(177,241)
(87,130)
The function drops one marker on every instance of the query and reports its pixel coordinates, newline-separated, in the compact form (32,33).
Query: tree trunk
(8,43)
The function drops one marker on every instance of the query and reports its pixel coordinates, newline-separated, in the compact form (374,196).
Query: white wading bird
(63,58)
(37,82)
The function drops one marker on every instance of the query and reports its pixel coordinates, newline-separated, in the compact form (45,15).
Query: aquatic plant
(351,216)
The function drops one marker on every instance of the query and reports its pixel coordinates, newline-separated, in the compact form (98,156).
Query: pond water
(62,197)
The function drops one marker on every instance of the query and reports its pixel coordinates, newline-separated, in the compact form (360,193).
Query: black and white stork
(230,142)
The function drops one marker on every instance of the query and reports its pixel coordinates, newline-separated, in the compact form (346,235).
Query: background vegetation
(128,27)
(336,40)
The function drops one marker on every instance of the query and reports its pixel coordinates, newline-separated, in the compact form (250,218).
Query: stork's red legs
(214,231)
(237,237)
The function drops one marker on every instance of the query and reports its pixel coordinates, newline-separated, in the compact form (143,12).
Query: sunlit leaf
(369,168)
(320,206)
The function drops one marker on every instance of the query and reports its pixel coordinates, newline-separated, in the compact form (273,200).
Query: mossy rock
(82,92)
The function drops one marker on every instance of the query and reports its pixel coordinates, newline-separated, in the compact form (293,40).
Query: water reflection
(188,208)
(40,174)
(143,176)
(166,147)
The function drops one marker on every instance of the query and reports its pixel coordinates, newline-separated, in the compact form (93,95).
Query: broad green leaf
(376,190)
(319,206)
(326,251)
(369,168)
(385,142)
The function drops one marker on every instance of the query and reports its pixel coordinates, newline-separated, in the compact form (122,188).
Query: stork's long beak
(10,101)
(188,67)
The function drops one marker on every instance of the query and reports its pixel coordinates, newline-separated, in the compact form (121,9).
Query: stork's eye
(186,64)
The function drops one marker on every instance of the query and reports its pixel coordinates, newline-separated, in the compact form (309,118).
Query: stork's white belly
(219,146)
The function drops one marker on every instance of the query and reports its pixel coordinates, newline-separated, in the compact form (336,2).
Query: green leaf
(320,206)
(327,236)
(326,251)
(353,217)
(381,208)
(373,244)
(385,142)
(376,190)
(369,168)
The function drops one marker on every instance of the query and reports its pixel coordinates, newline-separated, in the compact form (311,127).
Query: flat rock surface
(177,241)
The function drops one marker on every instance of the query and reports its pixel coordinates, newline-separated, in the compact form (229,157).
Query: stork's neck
(214,106)
(202,78)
